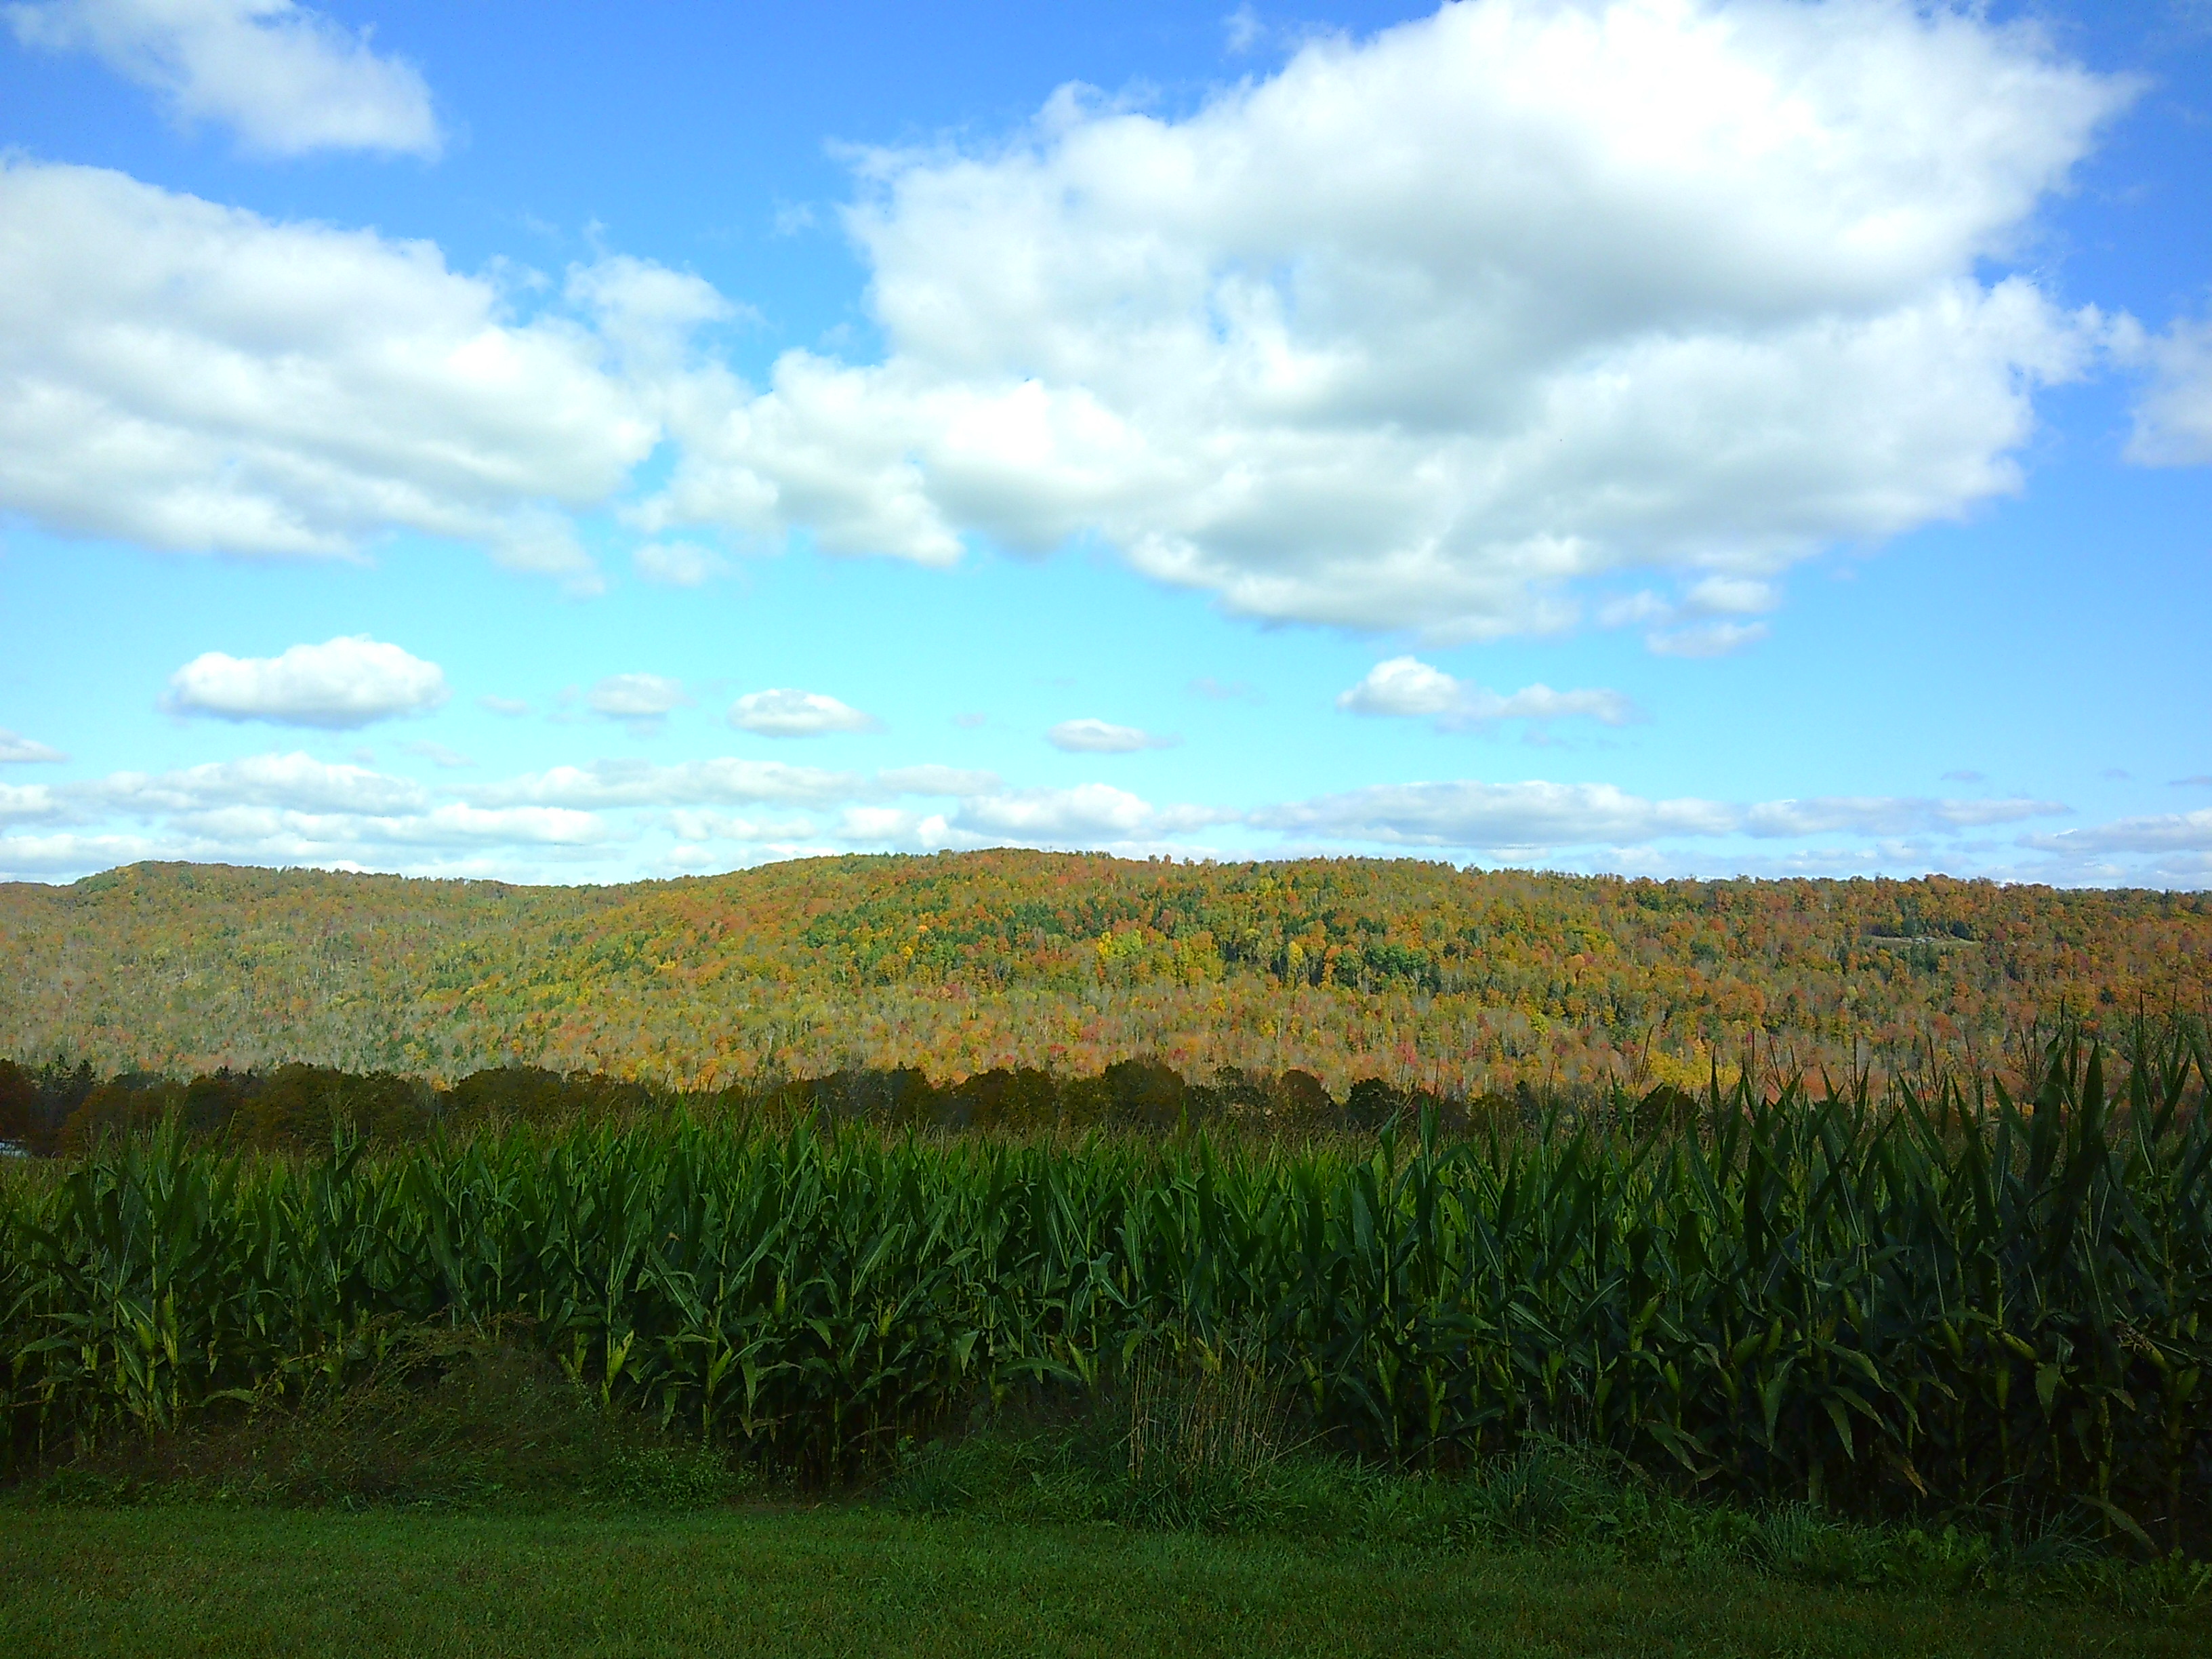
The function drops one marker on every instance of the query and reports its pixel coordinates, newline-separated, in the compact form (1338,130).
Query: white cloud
(785,712)
(454,821)
(677,564)
(286,78)
(343,682)
(937,780)
(1715,638)
(1541,703)
(882,825)
(1424,330)
(1242,30)
(1095,737)
(67,855)
(2163,832)
(194,378)
(725,781)
(785,837)
(1096,816)
(1496,815)
(1731,596)
(295,808)
(510,707)
(27,800)
(1407,687)
(2173,416)
(1886,815)
(640,702)
(1701,622)
(535,541)
(1403,686)
(614,821)
(294,782)
(437,754)
(15,747)
(285,809)
(1523,817)
(1088,810)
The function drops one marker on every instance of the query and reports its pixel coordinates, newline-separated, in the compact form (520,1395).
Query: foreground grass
(164,1580)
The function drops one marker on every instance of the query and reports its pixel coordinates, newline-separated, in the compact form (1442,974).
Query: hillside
(1414,971)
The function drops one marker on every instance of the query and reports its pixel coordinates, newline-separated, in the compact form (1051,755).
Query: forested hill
(1412,971)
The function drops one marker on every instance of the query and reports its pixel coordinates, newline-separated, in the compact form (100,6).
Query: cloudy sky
(572,442)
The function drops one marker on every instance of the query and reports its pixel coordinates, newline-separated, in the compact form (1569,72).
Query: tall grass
(1948,1298)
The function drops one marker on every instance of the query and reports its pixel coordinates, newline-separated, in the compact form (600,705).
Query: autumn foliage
(1426,977)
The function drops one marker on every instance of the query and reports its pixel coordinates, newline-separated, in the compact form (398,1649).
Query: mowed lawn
(849,1580)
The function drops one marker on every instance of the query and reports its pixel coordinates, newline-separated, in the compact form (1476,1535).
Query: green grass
(854,1580)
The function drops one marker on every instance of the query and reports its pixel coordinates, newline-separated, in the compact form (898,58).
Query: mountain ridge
(1450,979)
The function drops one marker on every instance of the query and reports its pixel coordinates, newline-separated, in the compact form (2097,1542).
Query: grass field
(854,1580)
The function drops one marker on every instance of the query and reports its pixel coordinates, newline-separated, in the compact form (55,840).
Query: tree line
(61,1110)
(1459,982)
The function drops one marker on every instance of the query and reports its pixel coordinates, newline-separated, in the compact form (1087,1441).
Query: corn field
(1938,1300)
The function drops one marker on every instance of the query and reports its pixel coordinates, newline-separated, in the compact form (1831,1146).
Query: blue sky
(579,443)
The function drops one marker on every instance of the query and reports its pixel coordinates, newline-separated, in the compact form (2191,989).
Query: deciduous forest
(1455,982)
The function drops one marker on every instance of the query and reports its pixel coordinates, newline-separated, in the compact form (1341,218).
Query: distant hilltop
(1460,982)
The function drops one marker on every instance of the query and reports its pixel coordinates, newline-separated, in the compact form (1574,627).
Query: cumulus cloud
(343,682)
(724,782)
(1703,621)
(286,78)
(13,746)
(1887,815)
(27,800)
(677,564)
(2161,832)
(1455,328)
(1087,815)
(195,377)
(1425,330)
(1714,638)
(535,541)
(283,809)
(693,825)
(785,712)
(1536,816)
(1407,687)
(937,780)
(2173,414)
(1085,811)
(1095,737)
(1403,686)
(617,819)
(67,854)
(295,808)
(640,702)
(294,782)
